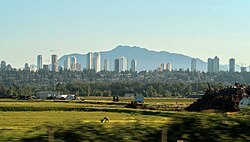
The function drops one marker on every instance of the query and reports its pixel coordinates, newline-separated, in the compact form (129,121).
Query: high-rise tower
(97,62)
(89,61)
(117,66)
(67,65)
(106,65)
(54,63)
(73,63)
(210,65)
(123,64)
(3,64)
(133,65)
(39,62)
(231,65)
(193,65)
(216,64)
(169,67)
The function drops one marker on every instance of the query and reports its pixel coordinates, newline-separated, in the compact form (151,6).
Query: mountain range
(146,59)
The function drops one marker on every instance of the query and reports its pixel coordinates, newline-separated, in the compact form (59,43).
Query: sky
(197,28)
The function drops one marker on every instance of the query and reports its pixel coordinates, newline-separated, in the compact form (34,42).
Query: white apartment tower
(73,63)
(97,61)
(67,65)
(163,67)
(89,61)
(123,64)
(169,67)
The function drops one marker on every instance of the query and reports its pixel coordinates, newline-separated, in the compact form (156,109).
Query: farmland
(30,120)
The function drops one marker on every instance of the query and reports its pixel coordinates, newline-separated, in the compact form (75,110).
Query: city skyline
(71,62)
(120,64)
(49,59)
(199,29)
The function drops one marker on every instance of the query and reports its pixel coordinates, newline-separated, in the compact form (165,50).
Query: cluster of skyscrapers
(165,67)
(70,63)
(213,65)
(54,63)
(93,62)
(121,65)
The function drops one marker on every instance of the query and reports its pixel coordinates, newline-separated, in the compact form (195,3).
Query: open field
(169,104)
(31,120)
(17,123)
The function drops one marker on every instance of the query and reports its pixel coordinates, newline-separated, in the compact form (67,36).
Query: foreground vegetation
(80,121)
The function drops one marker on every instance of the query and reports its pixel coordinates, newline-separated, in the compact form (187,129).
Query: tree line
(120,88)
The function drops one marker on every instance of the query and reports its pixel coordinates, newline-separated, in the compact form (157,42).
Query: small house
(245,102)
(70,97)
(139,98)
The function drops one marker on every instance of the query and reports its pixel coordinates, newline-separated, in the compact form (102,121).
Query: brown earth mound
(226,99)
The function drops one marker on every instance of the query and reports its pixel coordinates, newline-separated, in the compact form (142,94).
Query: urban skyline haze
(199,29)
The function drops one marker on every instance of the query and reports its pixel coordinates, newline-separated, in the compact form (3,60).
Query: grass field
(18,123)
(30,120)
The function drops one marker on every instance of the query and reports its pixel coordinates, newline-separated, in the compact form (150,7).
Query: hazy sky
(197,28)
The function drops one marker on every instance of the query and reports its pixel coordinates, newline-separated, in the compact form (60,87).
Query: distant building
(93,61)
(216,64)
(39,62)
(46,67)
(70,97)
(139,98)
(89,63)
(210,65)
(54,63)
(163,67)
(97,61)
(231,65)
(26,67)
(78,67)
(3,64)
(106,65)
(8,67)
(123,64)
(169,67)
(67,63)
(213,65)
(117,66)
(243,69)
(33,68)
(193,65)
(134,65)
(245,102)
(73,61)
